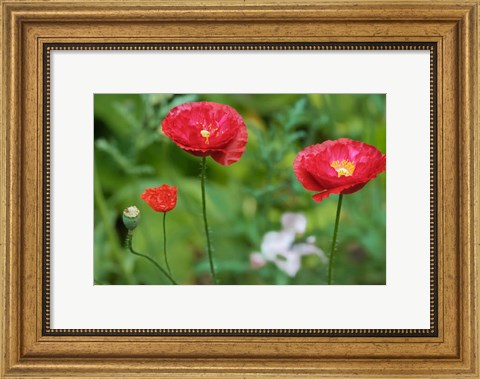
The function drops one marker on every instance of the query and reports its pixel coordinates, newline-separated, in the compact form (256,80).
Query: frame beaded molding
(46,304)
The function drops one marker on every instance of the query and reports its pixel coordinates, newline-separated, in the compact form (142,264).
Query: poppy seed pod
(131,217)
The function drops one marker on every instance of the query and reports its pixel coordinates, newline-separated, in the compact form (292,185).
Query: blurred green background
(244,200)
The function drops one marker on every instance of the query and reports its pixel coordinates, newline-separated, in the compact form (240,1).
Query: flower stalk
(203,176)
(334,240)
(165,242)
(130,248)
(162,199)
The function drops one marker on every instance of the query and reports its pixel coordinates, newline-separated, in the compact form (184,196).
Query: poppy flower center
(344,168)
(205,134)
(206,131)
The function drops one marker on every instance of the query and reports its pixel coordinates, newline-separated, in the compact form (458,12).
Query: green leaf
(122,161)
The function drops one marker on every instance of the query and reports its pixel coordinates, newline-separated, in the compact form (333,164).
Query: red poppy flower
(205,128)
(342,166)
(161,199)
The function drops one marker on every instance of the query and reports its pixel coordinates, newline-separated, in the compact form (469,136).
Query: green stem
(334,241)
(129,245)
(205,222)
(165,243)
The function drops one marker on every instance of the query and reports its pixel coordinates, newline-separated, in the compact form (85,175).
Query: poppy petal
(341,166)
(234,150)
(161,199)
(207,128)
(332,191)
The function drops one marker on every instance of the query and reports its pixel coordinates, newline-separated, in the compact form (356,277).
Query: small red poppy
(207,129)
(342,166)
(161,199)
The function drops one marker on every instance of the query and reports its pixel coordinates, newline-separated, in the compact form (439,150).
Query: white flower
(257,260)
(294,222)
(275,243)
(309,249)
(289,263)
(291,260)
(281,249)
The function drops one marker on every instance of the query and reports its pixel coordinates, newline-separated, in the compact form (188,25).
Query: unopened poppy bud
(131,217)
(161,199)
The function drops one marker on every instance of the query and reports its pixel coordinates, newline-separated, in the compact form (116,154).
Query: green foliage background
(244,200)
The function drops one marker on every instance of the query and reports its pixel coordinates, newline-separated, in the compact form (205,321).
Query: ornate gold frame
(30,26)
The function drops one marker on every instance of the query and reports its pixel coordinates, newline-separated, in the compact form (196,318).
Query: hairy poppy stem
(334,241)
(165,243)
(129,245)
(207,231)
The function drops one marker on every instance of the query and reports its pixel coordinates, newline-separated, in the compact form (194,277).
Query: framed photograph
(239,189)
(273,212)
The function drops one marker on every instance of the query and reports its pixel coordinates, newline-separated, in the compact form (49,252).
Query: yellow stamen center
(205,134)
(344,168)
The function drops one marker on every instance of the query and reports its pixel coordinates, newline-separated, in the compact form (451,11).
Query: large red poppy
(207,129)
(342,166)
(161,199)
